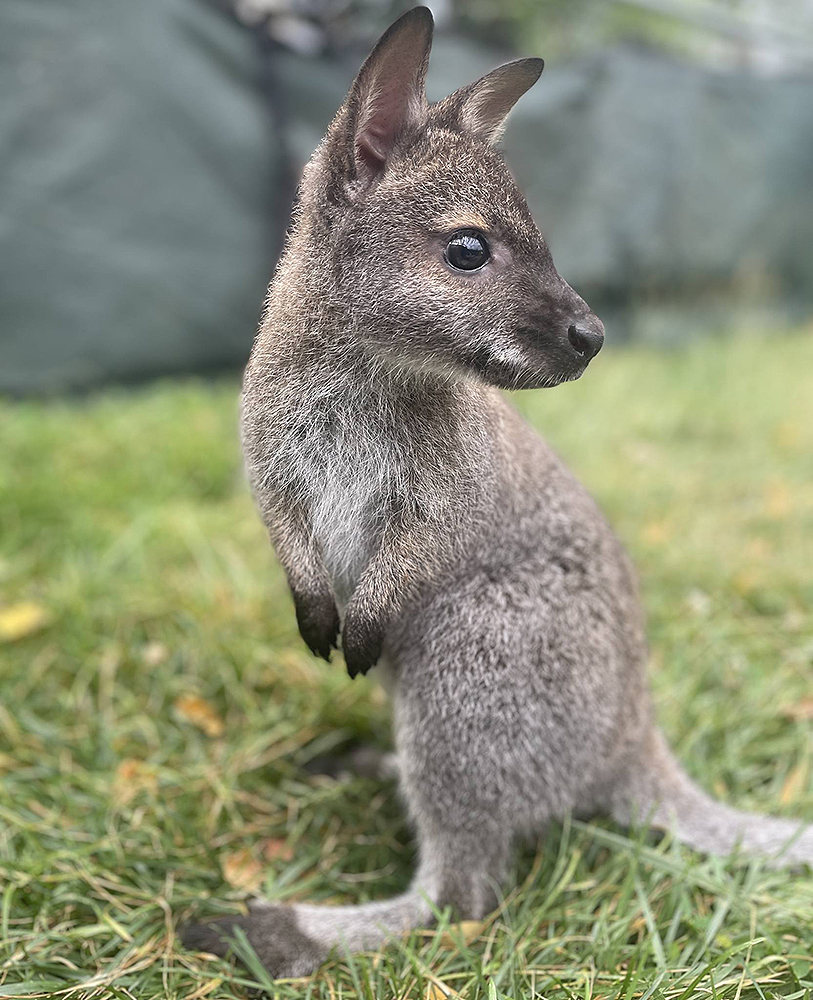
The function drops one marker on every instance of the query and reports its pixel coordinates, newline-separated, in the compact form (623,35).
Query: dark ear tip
(419,14)
(534,66)
(417,20)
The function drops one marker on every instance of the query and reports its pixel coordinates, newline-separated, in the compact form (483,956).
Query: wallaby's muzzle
(559,337)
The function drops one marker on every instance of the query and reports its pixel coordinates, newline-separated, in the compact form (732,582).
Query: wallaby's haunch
(415,513)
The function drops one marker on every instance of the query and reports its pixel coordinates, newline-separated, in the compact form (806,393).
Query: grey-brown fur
(416,513)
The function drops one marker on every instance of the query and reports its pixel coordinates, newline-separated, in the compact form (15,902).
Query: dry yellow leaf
(802,709)
(131,777)
(778,499)
(467,930)
(277,849)
(241,870)
(794,784)
(21,619)
(746,581)
(438,990)
(200,713)
(657,532)
(759,548)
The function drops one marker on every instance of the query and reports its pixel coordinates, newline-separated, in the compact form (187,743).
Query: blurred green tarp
(146,152)
(138,165)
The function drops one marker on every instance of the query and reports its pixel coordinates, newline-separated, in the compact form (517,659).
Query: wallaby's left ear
(481,108)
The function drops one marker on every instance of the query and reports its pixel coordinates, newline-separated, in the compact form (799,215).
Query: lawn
(159,712)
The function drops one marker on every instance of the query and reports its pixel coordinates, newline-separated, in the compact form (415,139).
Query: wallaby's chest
(347,469)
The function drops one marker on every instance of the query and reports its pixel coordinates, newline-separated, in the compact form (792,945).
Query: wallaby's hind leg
(463,854)
(293,940)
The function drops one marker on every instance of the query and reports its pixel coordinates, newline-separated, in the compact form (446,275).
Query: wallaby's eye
(467,251)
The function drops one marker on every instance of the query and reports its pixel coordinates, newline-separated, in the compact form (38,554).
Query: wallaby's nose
(586,339)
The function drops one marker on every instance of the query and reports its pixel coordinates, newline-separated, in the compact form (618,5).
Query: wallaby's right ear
(481,108)
(387,97)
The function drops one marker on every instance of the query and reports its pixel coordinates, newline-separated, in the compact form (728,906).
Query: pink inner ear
(371,148)
(384,118)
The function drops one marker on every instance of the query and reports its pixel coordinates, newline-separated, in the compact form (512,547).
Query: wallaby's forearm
(316,612)
(410,555)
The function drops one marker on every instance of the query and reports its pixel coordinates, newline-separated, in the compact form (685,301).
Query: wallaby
(416,514)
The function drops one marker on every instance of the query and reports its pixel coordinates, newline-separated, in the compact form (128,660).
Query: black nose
(586,340)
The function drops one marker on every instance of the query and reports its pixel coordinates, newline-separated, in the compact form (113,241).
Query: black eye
(467,251)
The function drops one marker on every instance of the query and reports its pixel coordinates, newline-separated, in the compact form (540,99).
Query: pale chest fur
(347,485)
(343,465)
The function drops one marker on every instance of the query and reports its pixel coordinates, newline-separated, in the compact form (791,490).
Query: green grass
(125,520)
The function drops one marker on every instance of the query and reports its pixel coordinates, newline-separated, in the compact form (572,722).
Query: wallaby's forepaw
(272,932)
(318,620)
(362,643)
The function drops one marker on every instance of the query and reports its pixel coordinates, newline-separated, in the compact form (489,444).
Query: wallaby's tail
(660,791)
(292,941)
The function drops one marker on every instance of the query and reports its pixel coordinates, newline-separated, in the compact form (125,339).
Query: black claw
(321,651)
(362,642)
(318,626)
(359,664)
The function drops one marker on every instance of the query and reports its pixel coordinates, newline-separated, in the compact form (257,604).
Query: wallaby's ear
(388,95)
(481,108)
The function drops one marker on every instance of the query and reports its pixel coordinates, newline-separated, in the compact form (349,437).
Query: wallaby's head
(420,234)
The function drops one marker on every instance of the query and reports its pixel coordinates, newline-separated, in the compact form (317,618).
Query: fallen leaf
(200,713)
(131,777)
(20,620)
(657,532)
(467,930)
(794,784)
(277,849)
(241,870)
(436,989)
(778,500)
(802,709)
(758,548)
(745,581)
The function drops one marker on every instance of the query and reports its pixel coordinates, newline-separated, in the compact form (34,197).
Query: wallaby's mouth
(538,356)
(551,359)
(527,366)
